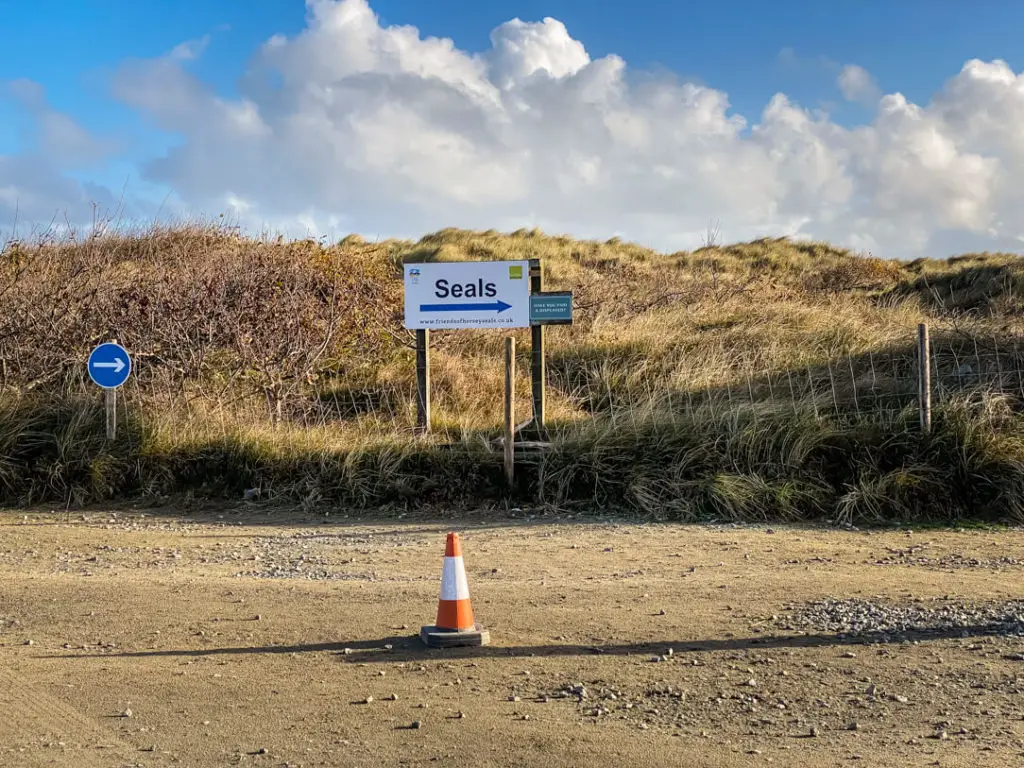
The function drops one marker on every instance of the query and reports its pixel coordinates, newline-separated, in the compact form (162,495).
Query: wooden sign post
(510,399)
(537,370)
(422,381)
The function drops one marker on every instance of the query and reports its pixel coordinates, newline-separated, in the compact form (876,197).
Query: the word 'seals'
(443,289)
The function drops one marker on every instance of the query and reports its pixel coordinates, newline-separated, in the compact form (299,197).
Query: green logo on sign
(515,273)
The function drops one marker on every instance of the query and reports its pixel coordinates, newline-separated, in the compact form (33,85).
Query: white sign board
(472,294)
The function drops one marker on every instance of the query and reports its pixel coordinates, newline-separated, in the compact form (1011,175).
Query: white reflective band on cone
(453,580)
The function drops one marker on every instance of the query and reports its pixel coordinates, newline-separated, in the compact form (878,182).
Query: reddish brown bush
(199,307)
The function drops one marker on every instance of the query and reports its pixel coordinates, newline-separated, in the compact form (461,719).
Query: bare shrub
(201,307)
(854,273)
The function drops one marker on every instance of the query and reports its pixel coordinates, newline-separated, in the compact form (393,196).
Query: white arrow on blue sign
(110,365)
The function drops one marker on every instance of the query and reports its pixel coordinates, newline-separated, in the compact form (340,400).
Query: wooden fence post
(924,377)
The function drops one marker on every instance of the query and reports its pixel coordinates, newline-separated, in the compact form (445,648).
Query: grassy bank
(751,463)
(768,380)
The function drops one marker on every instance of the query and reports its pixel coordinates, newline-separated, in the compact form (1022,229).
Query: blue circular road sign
(110,365)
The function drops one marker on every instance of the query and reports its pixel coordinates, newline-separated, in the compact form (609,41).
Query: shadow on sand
(407,648)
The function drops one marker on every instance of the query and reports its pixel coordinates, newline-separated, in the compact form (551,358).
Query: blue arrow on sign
(110,365)
(498,306)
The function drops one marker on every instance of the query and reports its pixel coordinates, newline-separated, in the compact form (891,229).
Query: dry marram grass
(771,379)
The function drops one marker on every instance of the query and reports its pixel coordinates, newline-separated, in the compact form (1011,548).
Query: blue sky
(747,50)
(910,45)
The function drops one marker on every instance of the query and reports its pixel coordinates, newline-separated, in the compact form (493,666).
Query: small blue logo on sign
(109,365)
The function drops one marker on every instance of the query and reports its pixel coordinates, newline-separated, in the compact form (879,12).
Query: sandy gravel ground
(134,638)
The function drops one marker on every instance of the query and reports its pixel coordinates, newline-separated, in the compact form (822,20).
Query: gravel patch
(793,697)
(310,555)
(886,618)
(317,557)
(913,556)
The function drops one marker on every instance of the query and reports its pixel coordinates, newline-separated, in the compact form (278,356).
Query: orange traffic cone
(455,625)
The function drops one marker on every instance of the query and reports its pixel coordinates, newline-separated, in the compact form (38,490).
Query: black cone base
(446,638)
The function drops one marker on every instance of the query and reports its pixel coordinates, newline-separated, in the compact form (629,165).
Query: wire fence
(879,381)
(869,383)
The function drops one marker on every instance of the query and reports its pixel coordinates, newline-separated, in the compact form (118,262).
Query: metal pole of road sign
(537,372)
(111,408)
(422,381)
(510,421)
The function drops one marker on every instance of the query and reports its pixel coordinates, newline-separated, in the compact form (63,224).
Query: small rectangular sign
(467,294)
(552,308)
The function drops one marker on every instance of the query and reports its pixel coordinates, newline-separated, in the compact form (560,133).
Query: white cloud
(36,192)
(351,126)
(190,49)
(55,135)
(521,50)
(857,84)
(33,194)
